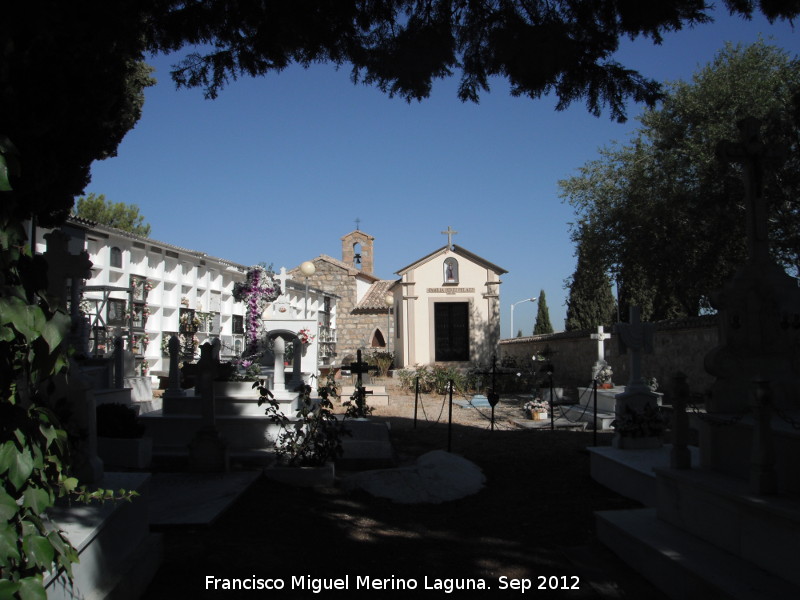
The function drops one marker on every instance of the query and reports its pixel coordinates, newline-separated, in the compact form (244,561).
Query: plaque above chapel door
(451,327)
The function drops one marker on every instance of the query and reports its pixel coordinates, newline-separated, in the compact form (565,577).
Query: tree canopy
(116,214)
(72,74)
(663,213)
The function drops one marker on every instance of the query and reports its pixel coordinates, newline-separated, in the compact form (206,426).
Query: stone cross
(752,154)
(449,233)
(61,265)
(638,338)
(174,389)
(600,336)
(282,277)
(281,307)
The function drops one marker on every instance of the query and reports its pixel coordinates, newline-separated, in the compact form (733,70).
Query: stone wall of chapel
(353,331)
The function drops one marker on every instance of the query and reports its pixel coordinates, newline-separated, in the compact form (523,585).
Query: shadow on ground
(533,520)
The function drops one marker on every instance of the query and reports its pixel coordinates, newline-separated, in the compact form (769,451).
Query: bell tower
(357,251)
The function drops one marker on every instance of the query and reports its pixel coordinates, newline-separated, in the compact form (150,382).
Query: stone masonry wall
(353,331)
(677,346)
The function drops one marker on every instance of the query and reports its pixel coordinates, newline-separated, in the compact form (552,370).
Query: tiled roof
(337,263)
(374,299)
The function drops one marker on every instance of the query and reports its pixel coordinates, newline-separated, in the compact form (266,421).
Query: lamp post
(307,269)
(389,300)
(512,311)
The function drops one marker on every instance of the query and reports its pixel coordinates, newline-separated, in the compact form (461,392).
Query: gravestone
(208,450)
(759,336)
(638,404)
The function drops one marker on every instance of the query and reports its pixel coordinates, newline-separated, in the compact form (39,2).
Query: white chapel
(447,308)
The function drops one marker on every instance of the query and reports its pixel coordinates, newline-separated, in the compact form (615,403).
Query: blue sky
(277,169)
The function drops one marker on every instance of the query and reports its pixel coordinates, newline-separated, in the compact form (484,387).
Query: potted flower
(536,409)
(604,376)
(305,336)
(639,429)
(120,437)
(307,445)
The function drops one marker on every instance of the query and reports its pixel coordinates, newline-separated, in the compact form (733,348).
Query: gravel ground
(533,523)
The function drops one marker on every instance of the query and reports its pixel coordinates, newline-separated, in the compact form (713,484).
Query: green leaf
(54,330)
(8,588)
(37,499)
(6,334)
(8,544)
(5,184)
(8,506)
(21,467)
(49,433)
(21,315)
(32,588)
(7,452)
(38,550)
(69,484)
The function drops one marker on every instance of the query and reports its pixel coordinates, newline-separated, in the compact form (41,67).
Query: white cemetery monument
(223,418)
(638,404)
(606,397)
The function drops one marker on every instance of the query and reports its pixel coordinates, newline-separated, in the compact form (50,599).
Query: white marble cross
(600,336)
(449,233)
(282,277)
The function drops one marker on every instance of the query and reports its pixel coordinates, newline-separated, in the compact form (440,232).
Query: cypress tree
(543,324)
(590,302)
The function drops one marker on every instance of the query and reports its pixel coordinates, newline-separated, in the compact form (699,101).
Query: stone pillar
(174,389)
(119,364)
(279,348)
(680,457)
(763,478)
(297,359)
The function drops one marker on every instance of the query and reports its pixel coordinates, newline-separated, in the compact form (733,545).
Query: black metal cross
(492,395)
(359,367)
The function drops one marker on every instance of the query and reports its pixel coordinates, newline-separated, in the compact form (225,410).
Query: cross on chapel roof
(449,233)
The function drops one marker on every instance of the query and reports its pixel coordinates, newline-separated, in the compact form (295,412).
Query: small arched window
(357,255)
(378,341)
(116,257)
(450,270)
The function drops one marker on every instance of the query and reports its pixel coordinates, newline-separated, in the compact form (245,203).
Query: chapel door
(451,326)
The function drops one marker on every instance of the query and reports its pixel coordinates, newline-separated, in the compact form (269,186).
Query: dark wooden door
(451,326)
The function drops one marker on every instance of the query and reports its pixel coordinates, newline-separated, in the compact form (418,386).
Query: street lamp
(512,312)
(389,300)
(307,269)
